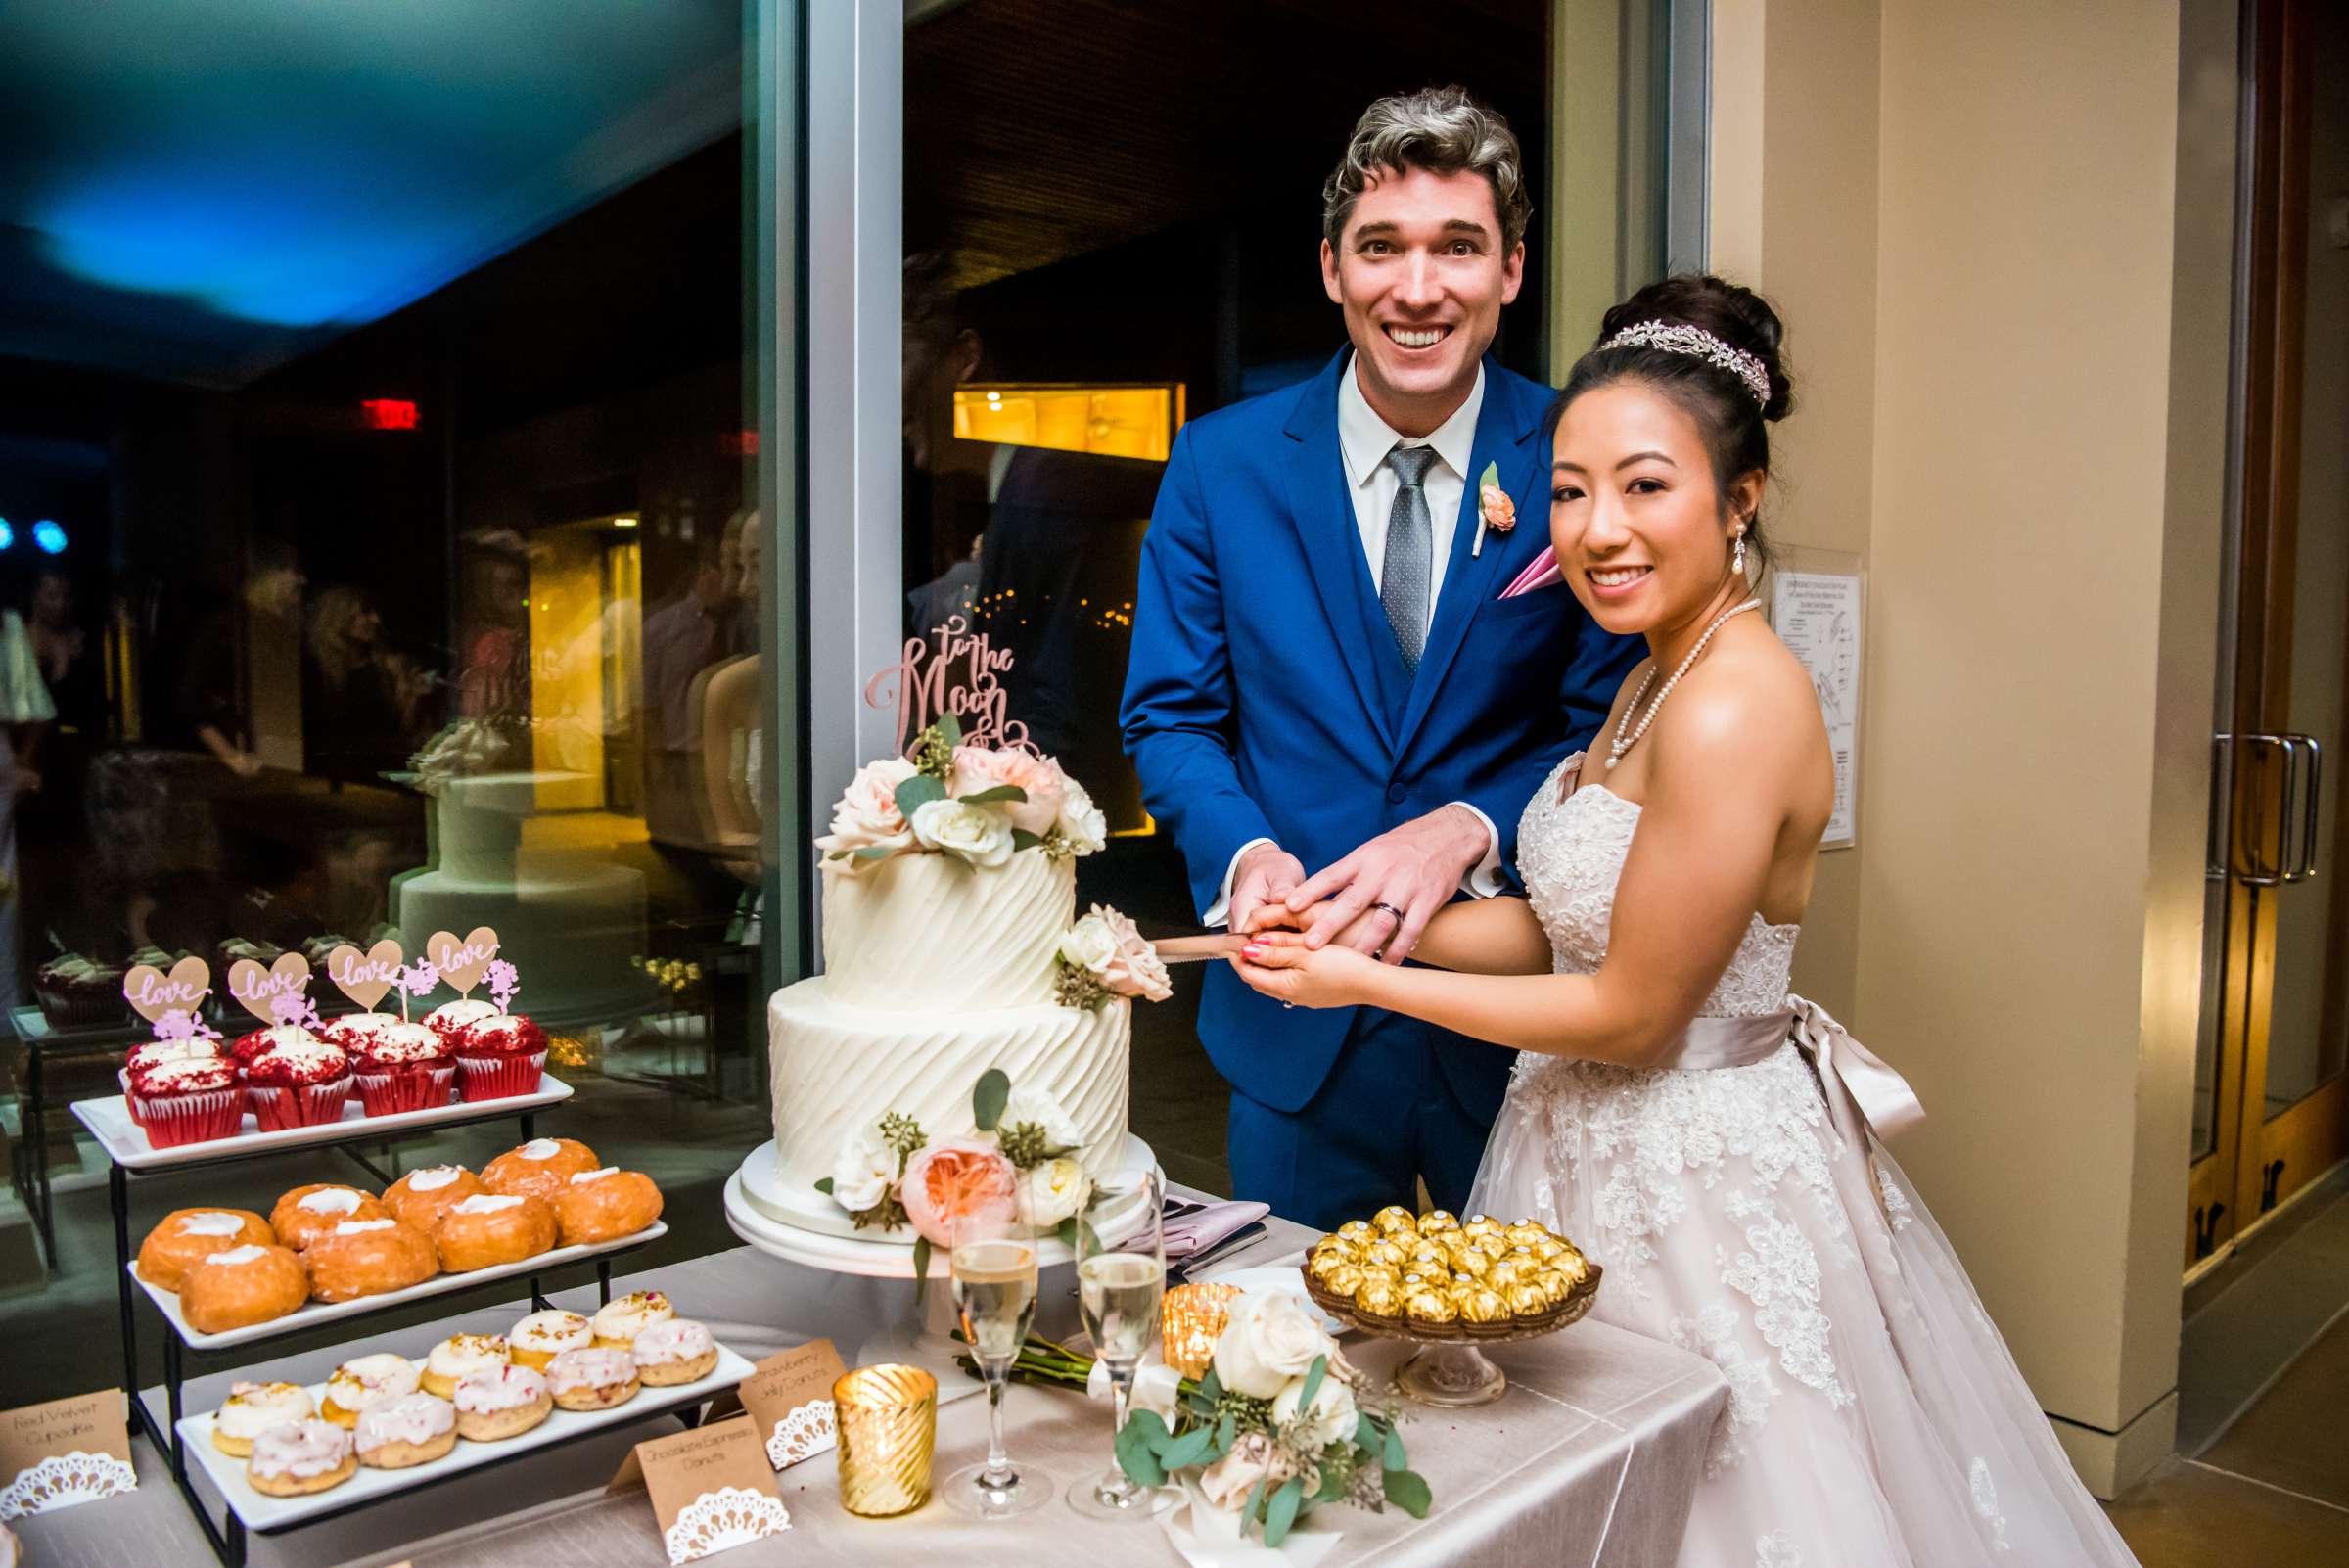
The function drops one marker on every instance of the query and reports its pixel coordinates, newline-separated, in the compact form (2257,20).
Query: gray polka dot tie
(1410,553)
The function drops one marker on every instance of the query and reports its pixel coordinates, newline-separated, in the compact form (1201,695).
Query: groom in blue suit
(1325,673)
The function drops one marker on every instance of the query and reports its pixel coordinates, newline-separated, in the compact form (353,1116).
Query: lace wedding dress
(1747,1212)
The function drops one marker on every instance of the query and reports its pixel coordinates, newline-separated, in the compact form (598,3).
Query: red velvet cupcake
(295,1078)
(395,1066)
(500,1056)
(162,1050)
(187,1100)
(450,1019)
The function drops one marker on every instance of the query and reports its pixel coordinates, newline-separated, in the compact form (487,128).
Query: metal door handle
(2254,871)
(2304,867)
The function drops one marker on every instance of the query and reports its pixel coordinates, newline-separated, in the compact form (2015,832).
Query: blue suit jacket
(1265,699)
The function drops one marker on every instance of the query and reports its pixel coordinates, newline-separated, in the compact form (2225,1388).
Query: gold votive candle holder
(1191,1318)
(888,1427)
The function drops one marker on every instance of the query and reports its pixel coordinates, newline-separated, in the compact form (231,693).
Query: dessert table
(1590,1458)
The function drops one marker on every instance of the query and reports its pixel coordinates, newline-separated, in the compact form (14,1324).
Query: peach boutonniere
(1494,508)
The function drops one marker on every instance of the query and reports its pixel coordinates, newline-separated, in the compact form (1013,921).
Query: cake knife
(1197,950)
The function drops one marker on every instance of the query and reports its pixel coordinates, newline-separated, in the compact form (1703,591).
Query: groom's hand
(1413,870)
(1267,874)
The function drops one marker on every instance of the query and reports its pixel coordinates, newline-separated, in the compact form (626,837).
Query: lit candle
(1191,1318)
(888,1426)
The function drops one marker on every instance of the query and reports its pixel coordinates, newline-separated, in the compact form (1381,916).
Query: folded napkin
(1213,1538)
(1202,1228)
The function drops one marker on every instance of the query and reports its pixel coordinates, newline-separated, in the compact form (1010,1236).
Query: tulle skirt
(1875,1417)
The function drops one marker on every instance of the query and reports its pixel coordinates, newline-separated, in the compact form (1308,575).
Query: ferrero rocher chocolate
(1385,1254)
(1359,1231)
(1373,1272)
(1570,1263)
(1324,1264)
(1525,1234)
(1505,1272)
(1555,1286)
(1342,1281)
(1427,1255)
(1430,1309)
(1494,1244)
(1526,1300)
(1484,1306)
(1471,1261)
(1437,1221)
(1478,1224)
(1549,1249)
(1392,1220)
(1379,1298)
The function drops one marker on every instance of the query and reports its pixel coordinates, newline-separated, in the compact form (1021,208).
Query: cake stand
(810,1229)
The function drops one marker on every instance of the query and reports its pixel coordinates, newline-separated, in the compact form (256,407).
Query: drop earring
(1737,561)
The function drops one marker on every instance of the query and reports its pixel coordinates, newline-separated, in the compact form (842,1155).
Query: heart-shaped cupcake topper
(176,1025)
(366,978)
(503,984)
(152,994)
(462,963)
(258,988)
(416,980)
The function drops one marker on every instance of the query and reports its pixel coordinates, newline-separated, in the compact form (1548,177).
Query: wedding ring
(1391,909)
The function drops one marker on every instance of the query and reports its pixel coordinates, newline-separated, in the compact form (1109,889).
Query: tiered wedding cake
(951,946)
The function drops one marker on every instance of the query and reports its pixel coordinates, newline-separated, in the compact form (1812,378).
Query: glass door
(2272,1104)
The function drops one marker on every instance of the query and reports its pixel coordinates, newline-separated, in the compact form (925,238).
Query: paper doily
(805,1431)
(62,1480)
(730,1516)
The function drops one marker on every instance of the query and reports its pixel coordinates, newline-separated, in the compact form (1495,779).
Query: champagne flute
(993,1264)
(1121,1274)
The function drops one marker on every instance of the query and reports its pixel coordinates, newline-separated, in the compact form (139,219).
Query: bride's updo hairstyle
(1724,398)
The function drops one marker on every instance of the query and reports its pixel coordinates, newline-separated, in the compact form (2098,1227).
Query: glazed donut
(679,1351)
(591,1379)
(300,1458)
(505,1402)
(460,1357)
(490,1228)
(367,1258)
(188,1236)
(307,1212)
(606,1205)
(362,1384)
(543,1335)
(421,1197)
(414,1429)
(619,1322)
(538,1169)
(254,1409)
(241,1287)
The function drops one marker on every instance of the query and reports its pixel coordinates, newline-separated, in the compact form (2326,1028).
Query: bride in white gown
(1713,1140)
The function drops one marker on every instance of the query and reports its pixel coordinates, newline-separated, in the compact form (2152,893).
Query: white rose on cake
(1135,969)
(868,815)
(1082,822)
(977,769)
(977,834)
(1050,1192)
(1040,1109)
(1271,1338)
(862,1176)
(1090,945)
(1328,1419)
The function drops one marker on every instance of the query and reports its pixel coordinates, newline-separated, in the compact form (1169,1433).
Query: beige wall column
(1971,218)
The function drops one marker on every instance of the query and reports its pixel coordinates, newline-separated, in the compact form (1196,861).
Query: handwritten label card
(462,963)
(366,978)
(710,1488)
(790,1400)
(69,1451)
(152,994)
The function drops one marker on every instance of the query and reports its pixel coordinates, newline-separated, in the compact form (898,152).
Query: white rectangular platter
(318,1312)
(126,1142)
(262,1512)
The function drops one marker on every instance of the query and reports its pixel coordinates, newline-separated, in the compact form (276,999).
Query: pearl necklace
(1623,743)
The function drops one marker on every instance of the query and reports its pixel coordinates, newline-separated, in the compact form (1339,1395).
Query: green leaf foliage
(1395,1456)
(871,852)
(1408,1491)
(1066,1232)
(1366,1434)
(989,797)
(1281,1511)
(1313,1383)
(1137,1447)
(921,1269)
(824,1186)
(950,727)
(1181,1453)
(989,1098)
(1210,1385)
(1227,1433)
(917,792)
(1022,839)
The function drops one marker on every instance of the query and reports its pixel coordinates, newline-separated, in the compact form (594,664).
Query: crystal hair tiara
(1679,338)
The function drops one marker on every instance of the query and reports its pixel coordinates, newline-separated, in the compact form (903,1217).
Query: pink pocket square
(1539,572)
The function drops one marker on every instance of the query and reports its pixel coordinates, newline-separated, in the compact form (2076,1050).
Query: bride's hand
(1280,964)
(1368,934)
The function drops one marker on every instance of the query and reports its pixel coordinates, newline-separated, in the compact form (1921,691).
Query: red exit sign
(387,413)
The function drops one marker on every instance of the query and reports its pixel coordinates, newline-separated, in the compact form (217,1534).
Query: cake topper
(503,984)
(366,978)
(415,979)
(177,1025)
(152,994)
(462,963)
(954,671)
(293,1009)
(258,986)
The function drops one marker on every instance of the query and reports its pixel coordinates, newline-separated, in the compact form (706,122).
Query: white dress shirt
(1363,442)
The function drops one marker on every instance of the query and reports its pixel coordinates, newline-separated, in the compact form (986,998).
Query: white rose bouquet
(1103,957)
(1279,1425)
(980,804)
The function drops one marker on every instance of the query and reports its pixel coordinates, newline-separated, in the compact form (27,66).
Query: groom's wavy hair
(1733,423)
(1442,130)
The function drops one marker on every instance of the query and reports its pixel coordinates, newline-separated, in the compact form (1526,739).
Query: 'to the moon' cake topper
(462,963)
(953,670)
(366,978)
(264,991)
(152,994)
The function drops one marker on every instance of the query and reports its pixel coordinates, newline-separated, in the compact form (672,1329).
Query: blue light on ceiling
(49,536)
(8,534)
